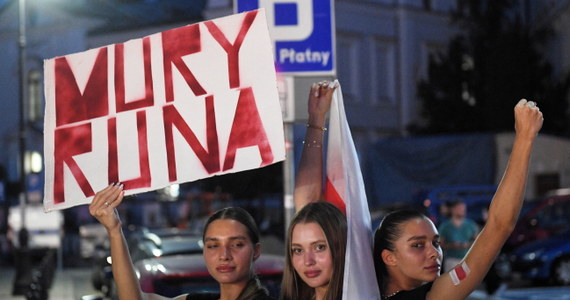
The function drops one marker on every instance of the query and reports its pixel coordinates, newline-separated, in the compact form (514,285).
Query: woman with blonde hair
(316,237)
(314,266)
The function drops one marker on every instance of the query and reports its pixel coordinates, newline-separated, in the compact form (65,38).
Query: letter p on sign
(289,20)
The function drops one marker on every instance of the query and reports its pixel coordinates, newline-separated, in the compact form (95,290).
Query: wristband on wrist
(316,127)
(312,144)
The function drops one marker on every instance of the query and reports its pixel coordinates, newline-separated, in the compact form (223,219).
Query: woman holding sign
(406,244)
(316,238)
(231,245)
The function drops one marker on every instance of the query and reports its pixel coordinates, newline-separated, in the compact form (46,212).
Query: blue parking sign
(302,31)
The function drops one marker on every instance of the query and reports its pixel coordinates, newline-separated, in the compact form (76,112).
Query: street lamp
(23,271)
(22,131)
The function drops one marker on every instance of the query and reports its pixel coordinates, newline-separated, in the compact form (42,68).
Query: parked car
(544,259)
(144,243)
(167,246)
(175,275)
(545,218)
(91,236)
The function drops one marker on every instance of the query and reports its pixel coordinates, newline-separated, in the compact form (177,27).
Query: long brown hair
(253,290)
(333,223)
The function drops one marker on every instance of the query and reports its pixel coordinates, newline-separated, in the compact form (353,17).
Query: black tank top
(418,293)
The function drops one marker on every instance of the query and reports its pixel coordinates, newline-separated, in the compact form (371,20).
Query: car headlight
(532,255)
(156,252)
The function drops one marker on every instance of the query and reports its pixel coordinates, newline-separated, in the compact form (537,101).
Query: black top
(418,293)
(203,296)
(216,296)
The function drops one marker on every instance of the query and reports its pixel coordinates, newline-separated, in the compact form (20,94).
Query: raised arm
(309,179)
(503,211)
(103,209)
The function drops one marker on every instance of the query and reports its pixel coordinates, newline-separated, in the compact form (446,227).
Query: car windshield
(181,245)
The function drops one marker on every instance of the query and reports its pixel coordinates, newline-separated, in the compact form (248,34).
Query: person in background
(231,245)
(456,235)
(444,212)
(71,237)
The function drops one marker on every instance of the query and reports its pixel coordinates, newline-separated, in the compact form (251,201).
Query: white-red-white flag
(345,188)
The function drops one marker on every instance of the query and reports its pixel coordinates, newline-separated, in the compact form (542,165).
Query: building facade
(382,51)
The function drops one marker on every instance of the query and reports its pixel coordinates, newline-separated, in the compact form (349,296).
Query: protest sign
(176,106)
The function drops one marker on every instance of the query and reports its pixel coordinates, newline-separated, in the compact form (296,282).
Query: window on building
(35,96)
(349,47)
(383,58)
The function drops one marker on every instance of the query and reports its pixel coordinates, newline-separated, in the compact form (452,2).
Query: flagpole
(23,267)
(288,175)
(22,103)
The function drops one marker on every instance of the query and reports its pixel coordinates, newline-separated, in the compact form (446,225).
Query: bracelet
(316,127)
(312,144)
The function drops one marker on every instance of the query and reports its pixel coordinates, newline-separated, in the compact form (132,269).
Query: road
(68,284)
(73,283)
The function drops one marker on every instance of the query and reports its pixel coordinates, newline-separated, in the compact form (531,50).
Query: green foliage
(496,61)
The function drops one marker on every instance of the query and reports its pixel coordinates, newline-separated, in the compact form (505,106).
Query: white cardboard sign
(176,106)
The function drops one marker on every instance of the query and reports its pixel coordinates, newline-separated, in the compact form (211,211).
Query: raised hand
(103,206)
(320,99)
(528,119)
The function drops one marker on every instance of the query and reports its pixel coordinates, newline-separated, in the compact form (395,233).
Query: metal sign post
(302,31)
(304,41)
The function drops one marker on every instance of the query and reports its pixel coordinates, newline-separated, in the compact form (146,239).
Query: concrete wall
(551,156)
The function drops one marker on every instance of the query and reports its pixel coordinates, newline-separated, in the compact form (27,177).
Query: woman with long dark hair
(407,250)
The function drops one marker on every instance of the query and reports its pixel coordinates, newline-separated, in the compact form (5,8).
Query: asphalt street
(73,283)
(68,284)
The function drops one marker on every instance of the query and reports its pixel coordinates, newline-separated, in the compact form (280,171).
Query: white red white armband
(459,273)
